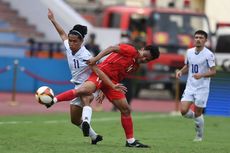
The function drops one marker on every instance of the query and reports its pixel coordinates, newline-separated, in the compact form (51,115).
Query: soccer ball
(44,95)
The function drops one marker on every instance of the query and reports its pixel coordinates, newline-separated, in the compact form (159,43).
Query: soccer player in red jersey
(123,60)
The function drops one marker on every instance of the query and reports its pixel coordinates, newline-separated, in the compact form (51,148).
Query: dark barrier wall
(33,73)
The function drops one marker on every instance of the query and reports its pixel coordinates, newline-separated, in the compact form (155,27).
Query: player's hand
(50,14)
(120,87)
(197,76)
(178,74)
(91,61)
(100,97)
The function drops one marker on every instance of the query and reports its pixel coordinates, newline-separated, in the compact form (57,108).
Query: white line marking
(105,119)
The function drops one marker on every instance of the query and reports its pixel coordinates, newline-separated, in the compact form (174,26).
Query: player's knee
(83,91)
(198,111)
(126,111)
(183,112)
(197,114)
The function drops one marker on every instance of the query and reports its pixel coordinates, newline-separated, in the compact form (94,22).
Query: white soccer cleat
(197,139)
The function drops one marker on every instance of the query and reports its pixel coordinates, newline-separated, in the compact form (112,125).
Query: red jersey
(118,65)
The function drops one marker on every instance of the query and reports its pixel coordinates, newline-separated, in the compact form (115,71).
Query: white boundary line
(105,119)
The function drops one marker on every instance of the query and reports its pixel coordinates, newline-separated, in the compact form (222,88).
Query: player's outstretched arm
(103,53)
(58,27)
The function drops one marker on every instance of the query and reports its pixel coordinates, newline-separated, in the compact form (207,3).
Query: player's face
(145,56)
(200,40)
(74,42)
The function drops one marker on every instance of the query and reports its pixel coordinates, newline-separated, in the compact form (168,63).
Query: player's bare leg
(186,111)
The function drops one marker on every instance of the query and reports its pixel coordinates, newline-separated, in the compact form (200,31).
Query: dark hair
(201,32)
(79,30)
(154,51)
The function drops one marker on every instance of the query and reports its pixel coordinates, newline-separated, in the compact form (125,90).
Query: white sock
(199,125)
(130,140)
(189,114)
(92,133)
(55,100)
(86,114)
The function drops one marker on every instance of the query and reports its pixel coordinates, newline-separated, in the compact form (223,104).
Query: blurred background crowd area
(25,30)
(31,48)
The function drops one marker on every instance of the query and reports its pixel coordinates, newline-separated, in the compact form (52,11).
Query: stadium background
(31,54)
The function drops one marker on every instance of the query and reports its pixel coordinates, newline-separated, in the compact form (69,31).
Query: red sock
(67,95)
(127,124)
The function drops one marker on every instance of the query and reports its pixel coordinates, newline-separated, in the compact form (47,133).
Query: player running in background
(123,60)
(200,65)
(76,55)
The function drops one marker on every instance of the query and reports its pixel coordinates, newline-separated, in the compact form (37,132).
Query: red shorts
(110,93)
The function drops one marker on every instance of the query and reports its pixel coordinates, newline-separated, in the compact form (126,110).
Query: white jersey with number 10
(198,62)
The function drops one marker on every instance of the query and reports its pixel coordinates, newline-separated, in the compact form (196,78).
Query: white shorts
(77,101)
(200,99)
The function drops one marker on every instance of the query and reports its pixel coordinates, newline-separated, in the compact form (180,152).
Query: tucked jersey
(199,63)
(77,63)
(118,65)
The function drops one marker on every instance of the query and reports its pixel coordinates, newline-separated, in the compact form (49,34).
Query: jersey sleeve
(127,50)
(211,60)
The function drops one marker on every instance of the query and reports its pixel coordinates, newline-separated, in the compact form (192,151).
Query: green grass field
(165,134)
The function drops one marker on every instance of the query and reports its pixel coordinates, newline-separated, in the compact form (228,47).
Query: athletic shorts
(110,93)
(200,99)
(77,101)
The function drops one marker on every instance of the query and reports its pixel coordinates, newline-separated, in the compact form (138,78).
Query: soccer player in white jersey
(200,66)
(77,55)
